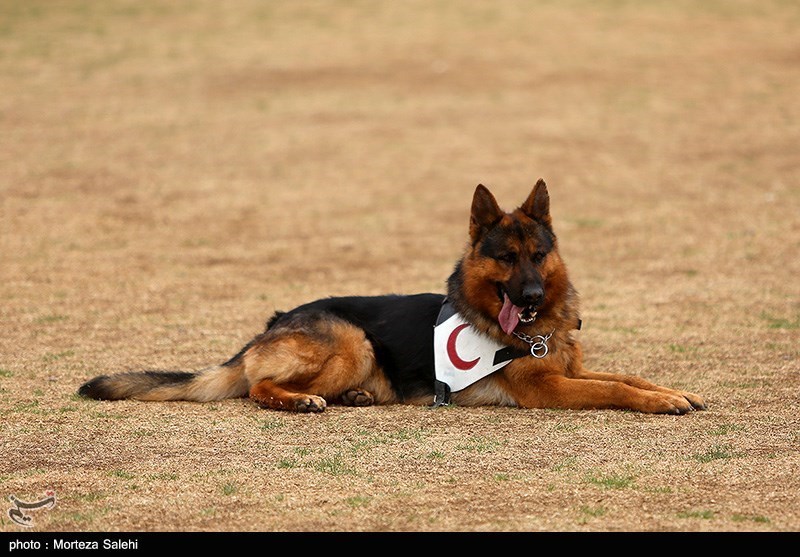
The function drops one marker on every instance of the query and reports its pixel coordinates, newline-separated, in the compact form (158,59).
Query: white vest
(463,355)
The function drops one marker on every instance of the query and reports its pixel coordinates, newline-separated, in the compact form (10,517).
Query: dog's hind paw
(310,403)
(358,397)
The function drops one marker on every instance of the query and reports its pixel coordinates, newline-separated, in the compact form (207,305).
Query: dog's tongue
(509,316)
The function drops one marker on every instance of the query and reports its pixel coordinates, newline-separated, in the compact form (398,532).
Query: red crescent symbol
(453,355)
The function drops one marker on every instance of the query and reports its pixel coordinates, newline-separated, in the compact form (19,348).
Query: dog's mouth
(511,314)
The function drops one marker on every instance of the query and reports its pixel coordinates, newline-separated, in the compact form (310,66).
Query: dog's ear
(537,206)
(485,213)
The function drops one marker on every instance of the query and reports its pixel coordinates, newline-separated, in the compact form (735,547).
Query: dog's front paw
(696,401)
(665,403)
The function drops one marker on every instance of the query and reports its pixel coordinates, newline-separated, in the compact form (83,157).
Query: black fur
(498,239)
(400,329)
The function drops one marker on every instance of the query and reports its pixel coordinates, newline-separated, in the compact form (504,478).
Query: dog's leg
(577,371)
(557,391)
(268,394)
(696,400)
(302,366)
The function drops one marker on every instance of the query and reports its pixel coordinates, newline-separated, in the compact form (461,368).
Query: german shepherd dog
(510,285)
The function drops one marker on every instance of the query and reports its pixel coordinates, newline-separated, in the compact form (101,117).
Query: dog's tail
(215,383)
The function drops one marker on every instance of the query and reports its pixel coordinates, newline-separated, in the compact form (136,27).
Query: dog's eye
(508,257)
(538,257)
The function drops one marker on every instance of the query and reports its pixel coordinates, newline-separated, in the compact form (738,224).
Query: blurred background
(164,156)
(163,153)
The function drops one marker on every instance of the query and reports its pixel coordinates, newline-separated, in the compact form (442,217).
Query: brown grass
(171,173)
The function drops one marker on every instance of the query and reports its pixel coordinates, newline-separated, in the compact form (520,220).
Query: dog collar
(463,355)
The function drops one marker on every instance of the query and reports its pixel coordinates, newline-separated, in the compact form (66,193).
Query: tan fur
(335,359)
(489,391)
(215,383)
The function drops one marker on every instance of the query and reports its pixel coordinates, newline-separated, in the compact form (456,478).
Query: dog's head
(512,270)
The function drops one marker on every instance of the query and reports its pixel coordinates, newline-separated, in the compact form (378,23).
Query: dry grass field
(171,173)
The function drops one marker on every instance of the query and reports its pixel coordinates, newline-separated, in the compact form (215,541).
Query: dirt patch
(172,174)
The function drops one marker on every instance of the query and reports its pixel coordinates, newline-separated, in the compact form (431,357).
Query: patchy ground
(172,173)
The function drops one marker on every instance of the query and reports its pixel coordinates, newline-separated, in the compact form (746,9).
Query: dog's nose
(533,295)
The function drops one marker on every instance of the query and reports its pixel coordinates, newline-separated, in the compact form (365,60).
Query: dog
(502,335)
